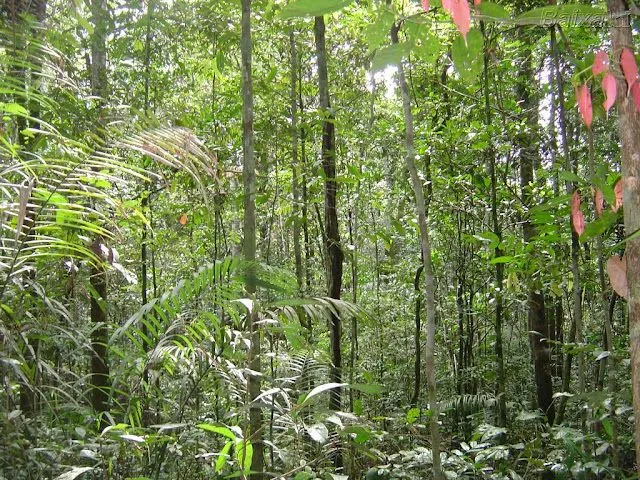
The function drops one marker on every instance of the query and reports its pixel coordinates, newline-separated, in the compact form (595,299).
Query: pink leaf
(629,67)
(610,89)
(476,2)
(425,5)
(461,16)
(617,190)
(635,94)
(600,62)
(447,5)
(617,270)
(598,200)
(577,217)
(584,105)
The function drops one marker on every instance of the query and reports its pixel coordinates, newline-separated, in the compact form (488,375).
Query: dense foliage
(478,189)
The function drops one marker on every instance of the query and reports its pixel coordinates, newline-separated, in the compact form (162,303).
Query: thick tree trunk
(629,126)
(429,278)
(249,242)
(99,337)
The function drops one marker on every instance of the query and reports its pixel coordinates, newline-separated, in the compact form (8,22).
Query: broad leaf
(318,432)
(577,217)
(224,431)
(600,62)
(223,456)
(322,388)
(617,190)
(313,8)
(493,11)
(629,67)
(609,87)
(390,55)
(617,271)
(467,57)
(244,454)
(584,104)
(598,200)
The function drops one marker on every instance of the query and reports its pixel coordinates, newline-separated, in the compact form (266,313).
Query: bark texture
(249,242)
(629,126)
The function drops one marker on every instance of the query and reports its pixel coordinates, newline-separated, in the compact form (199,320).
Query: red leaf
(617,189)
(584,105)
(629,67)
(635,94)
(617,270)
(460,14)
(577,217)
(425,5)
(600,62)
(610,89)
(183,219)
(598,200)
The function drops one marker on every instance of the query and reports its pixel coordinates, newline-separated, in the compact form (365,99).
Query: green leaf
(502,259)
(220,430)
(468,58)
(312,8)
(377,33)
(361,434)
(368,388)
(412,415)
(14,108)
(567,176)
(599,226)
(493,11)
(487,236)
(244,454)
(390,55)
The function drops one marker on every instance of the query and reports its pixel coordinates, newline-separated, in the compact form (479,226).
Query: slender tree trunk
(417,363)
(249,242)
(429,279)
(100,335)
(295,167)
(332,234)
(497,230)
(629,126)
(24,35)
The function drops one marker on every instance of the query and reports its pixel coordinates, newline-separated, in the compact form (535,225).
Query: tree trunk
(249,242)
(429,279)
(295,167)
(629,126)
(98,280)
(417,364)
(332,234)
(497,230)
